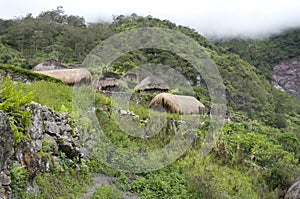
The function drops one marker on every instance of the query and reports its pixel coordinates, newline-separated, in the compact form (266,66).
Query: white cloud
(220,17)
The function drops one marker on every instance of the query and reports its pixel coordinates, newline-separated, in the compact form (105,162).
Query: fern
(13,103)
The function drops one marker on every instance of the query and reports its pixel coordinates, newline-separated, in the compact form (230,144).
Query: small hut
(70,76)
(152,83)
(107,81)
(178,104)
(133,77)
(49,65)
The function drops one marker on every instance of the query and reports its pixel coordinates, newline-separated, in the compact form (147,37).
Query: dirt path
(101,179)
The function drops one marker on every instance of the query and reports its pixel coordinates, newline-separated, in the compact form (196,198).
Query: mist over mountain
(215,18)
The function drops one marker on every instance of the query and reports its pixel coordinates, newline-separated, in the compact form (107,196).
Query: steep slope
(247,90)
(275,57)
(256,156)
(265,53)
(286,76)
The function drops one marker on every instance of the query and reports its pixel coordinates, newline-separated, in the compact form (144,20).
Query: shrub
(13,102)
(19,176)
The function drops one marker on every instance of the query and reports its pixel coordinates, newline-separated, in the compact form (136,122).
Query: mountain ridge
(264,130)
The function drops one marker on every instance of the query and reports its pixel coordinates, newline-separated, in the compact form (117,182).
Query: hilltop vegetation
(265,53)
(257,154)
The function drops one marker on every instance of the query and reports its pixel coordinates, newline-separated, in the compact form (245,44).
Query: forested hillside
(266,52)
(274,57)
(52,35)
(256,156)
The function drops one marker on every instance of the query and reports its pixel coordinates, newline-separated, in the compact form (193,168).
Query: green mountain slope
(256,156)
(247,91)
(265,53)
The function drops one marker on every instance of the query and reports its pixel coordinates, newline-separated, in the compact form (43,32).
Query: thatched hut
(107,81)
(178,103)
(70,76)
(133,77)
(49,65)
(152,83)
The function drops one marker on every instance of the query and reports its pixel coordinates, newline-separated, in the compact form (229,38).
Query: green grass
(221,174)
(105,192)
(67,184)
(54,95)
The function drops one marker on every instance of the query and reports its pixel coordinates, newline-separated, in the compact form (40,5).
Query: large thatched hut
(178,103)
(152,83)
(107,82)
(70,76)
(49,65)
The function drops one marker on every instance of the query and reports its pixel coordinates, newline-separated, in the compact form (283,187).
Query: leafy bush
(169,182)
(10,56)
(19,176)
(13,102)
(67,184)
(272,154)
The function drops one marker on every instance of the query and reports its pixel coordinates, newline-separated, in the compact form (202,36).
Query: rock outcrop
(294,191)
(49,139)
(16,76)
(6,151)
(286,76)
(6,139)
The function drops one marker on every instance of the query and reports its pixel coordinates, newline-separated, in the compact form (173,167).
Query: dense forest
(256,156)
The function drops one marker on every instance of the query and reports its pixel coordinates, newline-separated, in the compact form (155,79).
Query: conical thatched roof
(49,65)
(107,81)
(152,83)
(178,103)
(69,76)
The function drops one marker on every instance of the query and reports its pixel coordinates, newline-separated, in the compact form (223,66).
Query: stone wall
(50,135)
(15,76)
(6,151)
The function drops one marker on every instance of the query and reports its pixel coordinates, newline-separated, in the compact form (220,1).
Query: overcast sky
(210,17)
